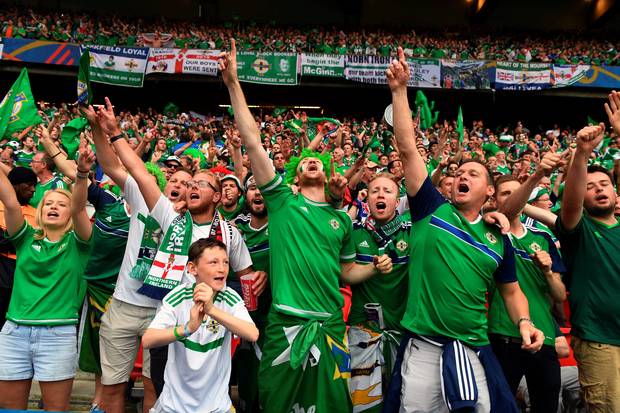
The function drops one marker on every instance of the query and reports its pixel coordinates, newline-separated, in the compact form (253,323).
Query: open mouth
(463,188)
(600,198)
(258,202)
(194,196)
(381,206)
(313,167)
(220,279)
(174,193)
(52,214)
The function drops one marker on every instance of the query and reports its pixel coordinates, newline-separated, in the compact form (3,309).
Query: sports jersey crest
(334,223)
(535,247)
(492,239)
(402,245)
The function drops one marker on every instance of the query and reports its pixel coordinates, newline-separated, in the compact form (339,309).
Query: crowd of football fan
(414,265)
(562,48)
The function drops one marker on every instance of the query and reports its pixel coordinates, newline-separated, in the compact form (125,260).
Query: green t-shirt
(41,189)
(23,158)
(110,234)
(490,149)
(48,278)
(533,283)
(257,241)
(591,252)
(234,213)
(504,169)
(389,290)
(452,265)
(310,240)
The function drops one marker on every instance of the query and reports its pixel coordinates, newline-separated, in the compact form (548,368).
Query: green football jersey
(230,216)
(533,284)
(109,240)
(48,286)
(41,189)
(452,265)
(307,242)
(389,290)
(591,252)
(23,158)
(257,241)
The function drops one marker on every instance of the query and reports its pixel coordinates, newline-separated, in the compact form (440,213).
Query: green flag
(427,116)
(18,110)
(312,126)
(171,110)
(70,136)
(84,94)
(231,111)
(459,125)
(279,111)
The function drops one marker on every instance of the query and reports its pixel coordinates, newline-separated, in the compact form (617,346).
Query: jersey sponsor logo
(364,244)
(334,223)
(535,247)
(492,239)
(402,245)
(299,409)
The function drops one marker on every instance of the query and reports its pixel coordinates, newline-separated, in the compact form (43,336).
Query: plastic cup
(249,298)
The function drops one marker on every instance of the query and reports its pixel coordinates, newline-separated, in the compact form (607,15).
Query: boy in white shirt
(198,321)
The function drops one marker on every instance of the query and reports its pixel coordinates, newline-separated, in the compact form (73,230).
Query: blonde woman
(39,338)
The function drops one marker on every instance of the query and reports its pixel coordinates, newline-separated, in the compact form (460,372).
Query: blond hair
(41,232)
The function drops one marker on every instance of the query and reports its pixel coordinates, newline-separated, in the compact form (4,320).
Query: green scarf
(148,247)
(167,268)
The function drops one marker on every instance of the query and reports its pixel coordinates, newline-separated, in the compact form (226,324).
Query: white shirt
(126,287)
(238,253)
(198,369)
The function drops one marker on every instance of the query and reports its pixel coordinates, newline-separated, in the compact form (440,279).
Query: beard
(256,210)
(601,212)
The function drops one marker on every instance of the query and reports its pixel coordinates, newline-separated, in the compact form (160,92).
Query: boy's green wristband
(177,335)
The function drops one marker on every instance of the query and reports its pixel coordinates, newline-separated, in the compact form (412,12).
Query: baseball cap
(172,159)
(234,178)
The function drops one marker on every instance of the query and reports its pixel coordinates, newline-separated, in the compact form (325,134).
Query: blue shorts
(39,352)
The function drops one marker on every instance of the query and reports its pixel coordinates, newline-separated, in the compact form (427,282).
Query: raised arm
(575,189)
(13,217)
(261,164)
(148,187)
(81,223)
(64,165)
(105,155)
(404,130)
(234,148)
(545,217)
(517,200)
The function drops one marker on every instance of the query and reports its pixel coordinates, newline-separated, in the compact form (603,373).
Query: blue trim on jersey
(364,258)
(118,232)
(401,260)
(263,246)
(523,254)
(464,236)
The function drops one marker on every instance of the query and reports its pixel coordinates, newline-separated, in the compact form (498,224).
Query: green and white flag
(121,66)
(18,109)
(84,95)
(267,68)
(313,125)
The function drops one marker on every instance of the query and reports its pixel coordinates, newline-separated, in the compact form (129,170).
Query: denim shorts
(39,352)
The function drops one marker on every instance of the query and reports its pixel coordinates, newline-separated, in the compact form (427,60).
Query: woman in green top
(39,338)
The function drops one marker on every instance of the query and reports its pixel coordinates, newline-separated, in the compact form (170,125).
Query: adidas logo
(37,248)
(364,244)
(109,219)
(303,208)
